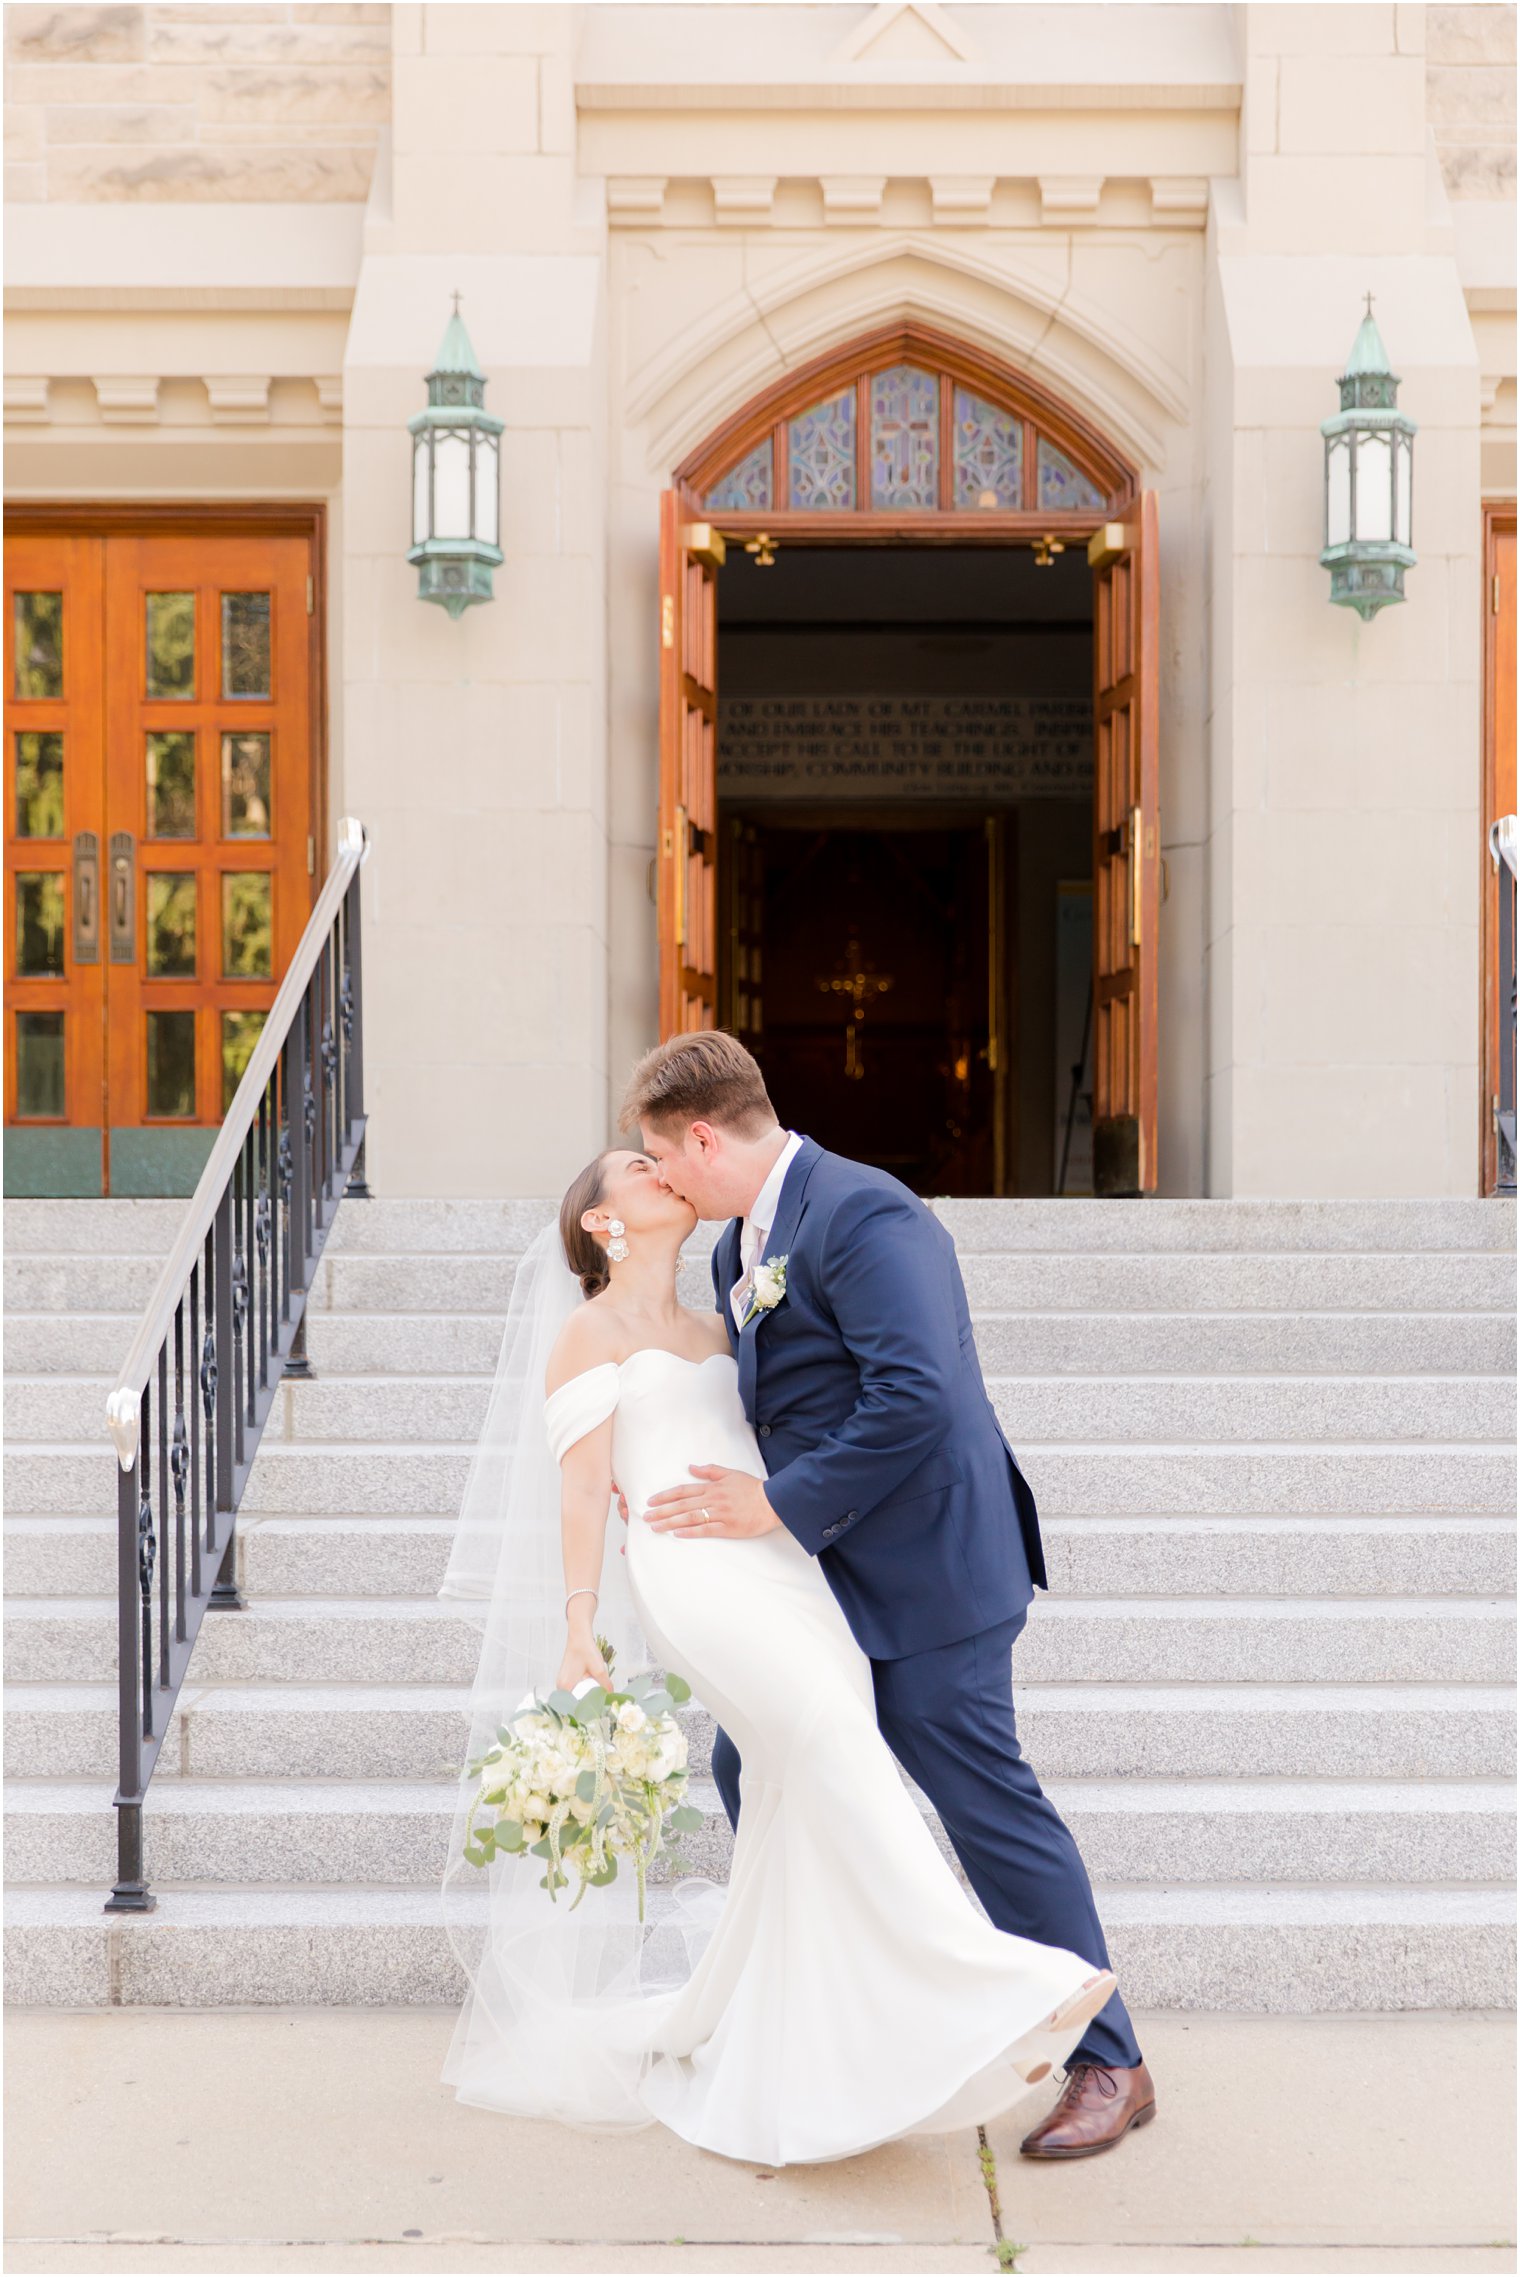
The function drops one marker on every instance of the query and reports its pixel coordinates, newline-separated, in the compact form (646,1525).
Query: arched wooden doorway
(907,438)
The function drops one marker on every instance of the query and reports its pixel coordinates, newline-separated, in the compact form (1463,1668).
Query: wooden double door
(1123,556)
(160,839)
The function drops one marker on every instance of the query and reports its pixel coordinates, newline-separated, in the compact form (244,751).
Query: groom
(845,1310)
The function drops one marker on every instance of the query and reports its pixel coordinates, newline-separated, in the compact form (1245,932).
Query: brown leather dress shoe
(1098,2104)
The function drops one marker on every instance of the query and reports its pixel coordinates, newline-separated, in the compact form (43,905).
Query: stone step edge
(1243,1797)
(377,1378)
(239,1696)
(303,1450)
(1047,1607)
(1201,1522)
(1265,1904)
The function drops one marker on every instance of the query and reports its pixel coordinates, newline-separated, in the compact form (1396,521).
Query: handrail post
(225,1596)
(297,1366)
(131,1893)
(358,1183)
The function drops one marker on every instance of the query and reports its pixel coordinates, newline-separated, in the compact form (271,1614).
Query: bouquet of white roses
(583,1778)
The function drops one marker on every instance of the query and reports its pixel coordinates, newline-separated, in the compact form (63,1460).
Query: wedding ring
(706,1516)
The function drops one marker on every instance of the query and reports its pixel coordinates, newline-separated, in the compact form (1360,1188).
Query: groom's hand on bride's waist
(723,1505)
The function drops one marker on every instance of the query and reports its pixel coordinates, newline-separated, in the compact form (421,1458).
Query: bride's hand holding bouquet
(585,1777)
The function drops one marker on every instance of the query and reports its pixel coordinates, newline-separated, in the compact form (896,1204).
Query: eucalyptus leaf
(509,1834)
(474,1854)
(678,1688)
(686,1818)
(585,1786)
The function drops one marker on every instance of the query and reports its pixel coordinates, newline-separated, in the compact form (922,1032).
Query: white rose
(670,1754)
(770,1283)
(631,1716)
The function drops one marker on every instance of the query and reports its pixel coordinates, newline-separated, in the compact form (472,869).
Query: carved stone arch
(1009,310)
(1044,433)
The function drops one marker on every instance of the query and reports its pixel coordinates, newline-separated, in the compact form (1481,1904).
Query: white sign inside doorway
(978,748)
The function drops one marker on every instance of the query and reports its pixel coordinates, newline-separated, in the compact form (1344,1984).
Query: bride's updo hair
(584,1254)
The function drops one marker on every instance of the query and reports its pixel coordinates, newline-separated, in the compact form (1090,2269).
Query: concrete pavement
(323,2141)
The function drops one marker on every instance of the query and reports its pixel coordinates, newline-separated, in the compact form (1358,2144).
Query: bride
(843,1989)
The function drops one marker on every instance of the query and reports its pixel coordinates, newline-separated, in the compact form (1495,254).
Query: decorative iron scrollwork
(346,1005)
(308,1105)
(179,1462)
(285,1154)
(208,1377)
(329,1049)
(261,1218)
(239,1291)
(147,1551)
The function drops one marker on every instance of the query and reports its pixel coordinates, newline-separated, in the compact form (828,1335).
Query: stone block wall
(1470,97)
(280,103)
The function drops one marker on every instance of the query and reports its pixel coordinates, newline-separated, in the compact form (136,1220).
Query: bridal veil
(557,2022)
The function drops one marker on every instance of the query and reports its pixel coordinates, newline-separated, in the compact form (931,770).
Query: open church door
(1126,850)
(691,554)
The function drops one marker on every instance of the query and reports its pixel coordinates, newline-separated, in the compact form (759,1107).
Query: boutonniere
(766,1290)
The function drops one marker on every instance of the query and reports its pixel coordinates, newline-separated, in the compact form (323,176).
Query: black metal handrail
(1504,846)
(225,1322)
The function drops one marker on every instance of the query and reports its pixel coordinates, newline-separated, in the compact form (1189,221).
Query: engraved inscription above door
(159,841)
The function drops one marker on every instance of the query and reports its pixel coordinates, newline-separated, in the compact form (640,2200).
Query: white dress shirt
(758,1224)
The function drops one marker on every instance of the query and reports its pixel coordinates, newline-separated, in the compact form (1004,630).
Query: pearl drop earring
(617,1247)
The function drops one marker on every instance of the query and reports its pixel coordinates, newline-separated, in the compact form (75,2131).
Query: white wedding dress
(851,1991)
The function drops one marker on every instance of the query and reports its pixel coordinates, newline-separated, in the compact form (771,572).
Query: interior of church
(905,841)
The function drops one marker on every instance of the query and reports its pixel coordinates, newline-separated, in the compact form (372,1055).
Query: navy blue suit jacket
(886,1459)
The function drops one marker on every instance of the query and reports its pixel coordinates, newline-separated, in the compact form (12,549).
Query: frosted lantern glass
(419,490)
(1402,469)
(485,488)
(451,484)
(1374,488)
(1338,493)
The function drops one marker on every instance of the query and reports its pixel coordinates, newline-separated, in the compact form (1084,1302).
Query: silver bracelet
(584,1591)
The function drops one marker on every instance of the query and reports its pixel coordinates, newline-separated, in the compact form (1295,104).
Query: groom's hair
(708,1077)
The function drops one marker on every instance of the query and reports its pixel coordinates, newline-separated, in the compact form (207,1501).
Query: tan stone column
(476,749)
(1343,873)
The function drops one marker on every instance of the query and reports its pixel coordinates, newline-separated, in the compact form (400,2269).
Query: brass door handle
(123,898)
(86,898)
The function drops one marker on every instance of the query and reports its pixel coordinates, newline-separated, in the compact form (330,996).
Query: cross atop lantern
(456,454)
(1369,474)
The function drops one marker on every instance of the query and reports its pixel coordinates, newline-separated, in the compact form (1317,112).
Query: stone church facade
(1132,244)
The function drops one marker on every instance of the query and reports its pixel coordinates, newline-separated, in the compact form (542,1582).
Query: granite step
(1078,1640)
(425,1282)
(1447,1222)
(1281,1949)
(365,1555)
(1077,1731)
(396,1833)
(1125,1480)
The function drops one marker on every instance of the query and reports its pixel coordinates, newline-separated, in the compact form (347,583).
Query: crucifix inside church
(860,982)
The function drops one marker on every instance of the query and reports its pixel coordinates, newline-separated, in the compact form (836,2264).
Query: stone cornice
(914,94)
(953,201)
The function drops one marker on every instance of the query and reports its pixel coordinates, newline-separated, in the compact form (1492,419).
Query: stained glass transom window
(989,453)
(747,488)
(904,438)
(1061,484)
(909,437)
(821,454)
